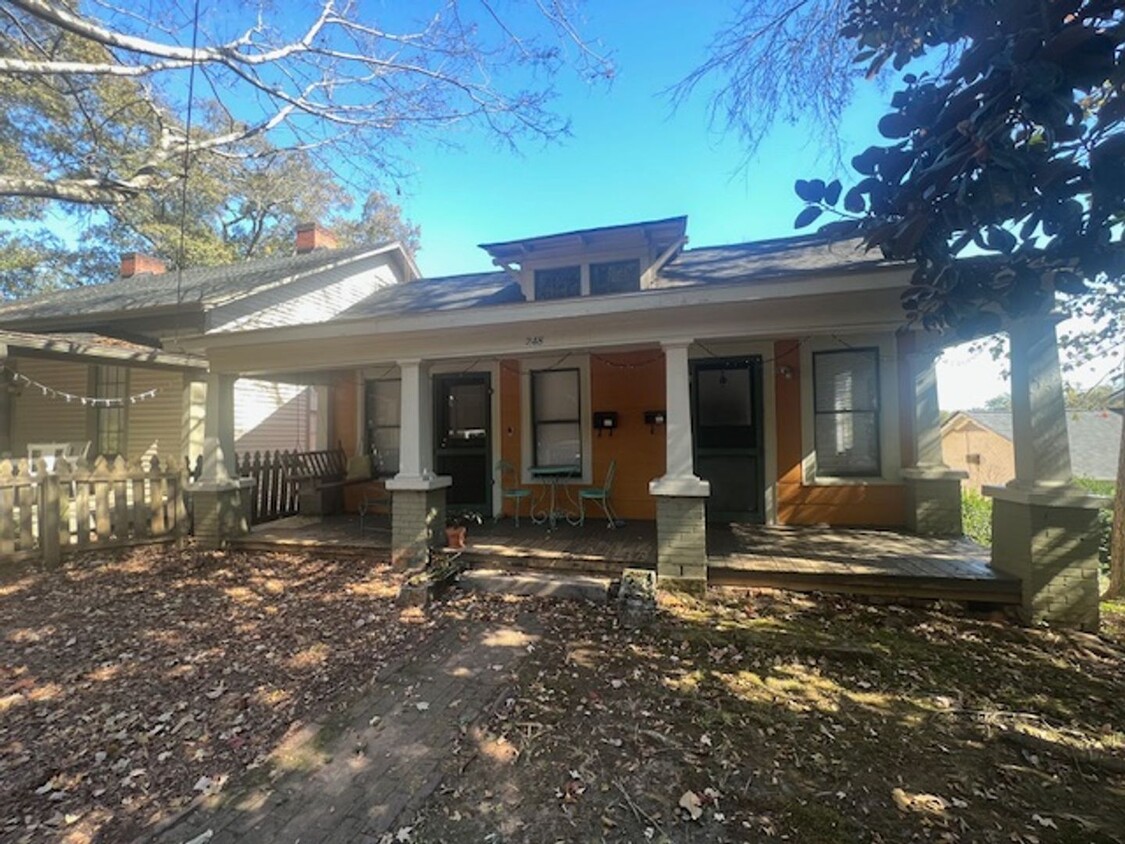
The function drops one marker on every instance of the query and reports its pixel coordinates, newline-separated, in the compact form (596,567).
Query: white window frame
(890,454)
(527,444)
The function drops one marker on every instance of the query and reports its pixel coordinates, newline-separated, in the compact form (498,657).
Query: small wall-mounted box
(605,420)
(654,418)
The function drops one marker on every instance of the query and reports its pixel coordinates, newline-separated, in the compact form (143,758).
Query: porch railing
(274,495)
(46,514)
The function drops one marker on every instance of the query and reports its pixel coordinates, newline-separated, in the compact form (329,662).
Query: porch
(880,563)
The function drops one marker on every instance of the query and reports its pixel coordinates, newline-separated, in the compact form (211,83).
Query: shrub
(1105,518)
(976,516)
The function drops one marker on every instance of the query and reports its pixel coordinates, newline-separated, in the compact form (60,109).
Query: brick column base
(681,543)
(417,523)
(219,512)
(1053,549)
(933,501)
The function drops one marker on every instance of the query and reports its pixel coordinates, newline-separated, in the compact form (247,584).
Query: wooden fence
(274,495)
(47,514)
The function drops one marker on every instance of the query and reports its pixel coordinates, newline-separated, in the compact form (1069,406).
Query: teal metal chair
(516,493)
(599,495)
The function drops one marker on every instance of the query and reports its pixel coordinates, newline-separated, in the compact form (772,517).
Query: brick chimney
(312,236)
(135,263)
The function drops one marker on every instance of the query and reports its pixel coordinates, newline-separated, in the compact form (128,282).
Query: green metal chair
(599,495)
(516,493)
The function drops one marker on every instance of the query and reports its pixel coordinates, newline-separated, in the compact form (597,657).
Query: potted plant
(457,525)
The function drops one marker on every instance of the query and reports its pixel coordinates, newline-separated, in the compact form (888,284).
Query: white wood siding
(38,418)
(270,416)
(310,300)
(155,425)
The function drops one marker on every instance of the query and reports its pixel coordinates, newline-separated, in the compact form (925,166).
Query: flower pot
(455,536)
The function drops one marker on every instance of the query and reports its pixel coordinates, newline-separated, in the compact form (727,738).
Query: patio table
(552,475)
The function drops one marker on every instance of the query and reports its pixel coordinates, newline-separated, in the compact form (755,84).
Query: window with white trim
(558,283)
(846,412)
(110,382)
(382,421)
(556,417)
(615,277)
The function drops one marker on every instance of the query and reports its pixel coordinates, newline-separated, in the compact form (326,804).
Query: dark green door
(462,430)
(727,424)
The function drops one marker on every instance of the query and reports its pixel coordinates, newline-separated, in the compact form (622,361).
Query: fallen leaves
(130,686)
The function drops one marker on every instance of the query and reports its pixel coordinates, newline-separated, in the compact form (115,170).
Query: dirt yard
(128,688)
(779,717)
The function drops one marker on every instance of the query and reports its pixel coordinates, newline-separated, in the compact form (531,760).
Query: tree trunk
(1117,532)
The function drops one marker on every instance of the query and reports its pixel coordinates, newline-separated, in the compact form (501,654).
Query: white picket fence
(110,504)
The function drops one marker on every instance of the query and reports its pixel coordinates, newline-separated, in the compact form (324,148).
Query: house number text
(535,341)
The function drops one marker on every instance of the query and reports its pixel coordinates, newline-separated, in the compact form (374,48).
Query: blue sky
(632,156)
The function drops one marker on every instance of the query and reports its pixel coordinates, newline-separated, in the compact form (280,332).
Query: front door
(462,425)
(727,423)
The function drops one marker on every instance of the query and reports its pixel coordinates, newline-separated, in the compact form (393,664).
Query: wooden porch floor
(869,562)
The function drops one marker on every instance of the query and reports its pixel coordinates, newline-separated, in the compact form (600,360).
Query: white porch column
(220,502)
(679,470)
(1039,436)
(933,490)
(417,494)
(1044,528)
(681,496)
(218,429)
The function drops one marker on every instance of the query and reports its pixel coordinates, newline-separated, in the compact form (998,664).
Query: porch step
(568,587)
(995,590)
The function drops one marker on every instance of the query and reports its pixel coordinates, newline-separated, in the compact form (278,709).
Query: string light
(86,401)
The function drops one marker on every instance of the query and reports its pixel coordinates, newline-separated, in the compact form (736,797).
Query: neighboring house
(122,398)
(979,442)
(154,310)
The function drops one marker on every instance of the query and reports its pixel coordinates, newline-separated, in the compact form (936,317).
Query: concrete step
(567,587)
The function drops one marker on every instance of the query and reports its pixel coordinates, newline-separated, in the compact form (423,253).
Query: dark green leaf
(832,192)
(807,216)
(809,191)
(854,202)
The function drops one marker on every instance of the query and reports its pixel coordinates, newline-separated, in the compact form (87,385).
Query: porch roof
(93,347)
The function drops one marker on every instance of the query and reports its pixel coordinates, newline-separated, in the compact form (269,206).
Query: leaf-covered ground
(779,717)
(129,686)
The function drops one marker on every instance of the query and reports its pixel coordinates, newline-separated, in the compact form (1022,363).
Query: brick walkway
(368,779)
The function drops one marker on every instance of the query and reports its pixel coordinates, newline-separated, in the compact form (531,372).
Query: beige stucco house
(979,442)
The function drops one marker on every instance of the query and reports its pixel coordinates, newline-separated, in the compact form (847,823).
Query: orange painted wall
(627,382)
(345,396)
(799,504)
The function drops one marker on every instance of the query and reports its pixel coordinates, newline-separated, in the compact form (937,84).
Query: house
(148,312)
(120,397)
(979,442)
(771,382)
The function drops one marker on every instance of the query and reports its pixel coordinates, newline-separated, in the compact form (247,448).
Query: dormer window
(558,283)
(607,261)
(615,277)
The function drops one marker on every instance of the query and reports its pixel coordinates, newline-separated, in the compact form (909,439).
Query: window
(382,420)
(110,382)
(615,277)
(558,283)
(556,417)
(846,412)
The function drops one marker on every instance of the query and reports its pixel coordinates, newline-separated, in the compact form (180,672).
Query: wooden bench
(320,477)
